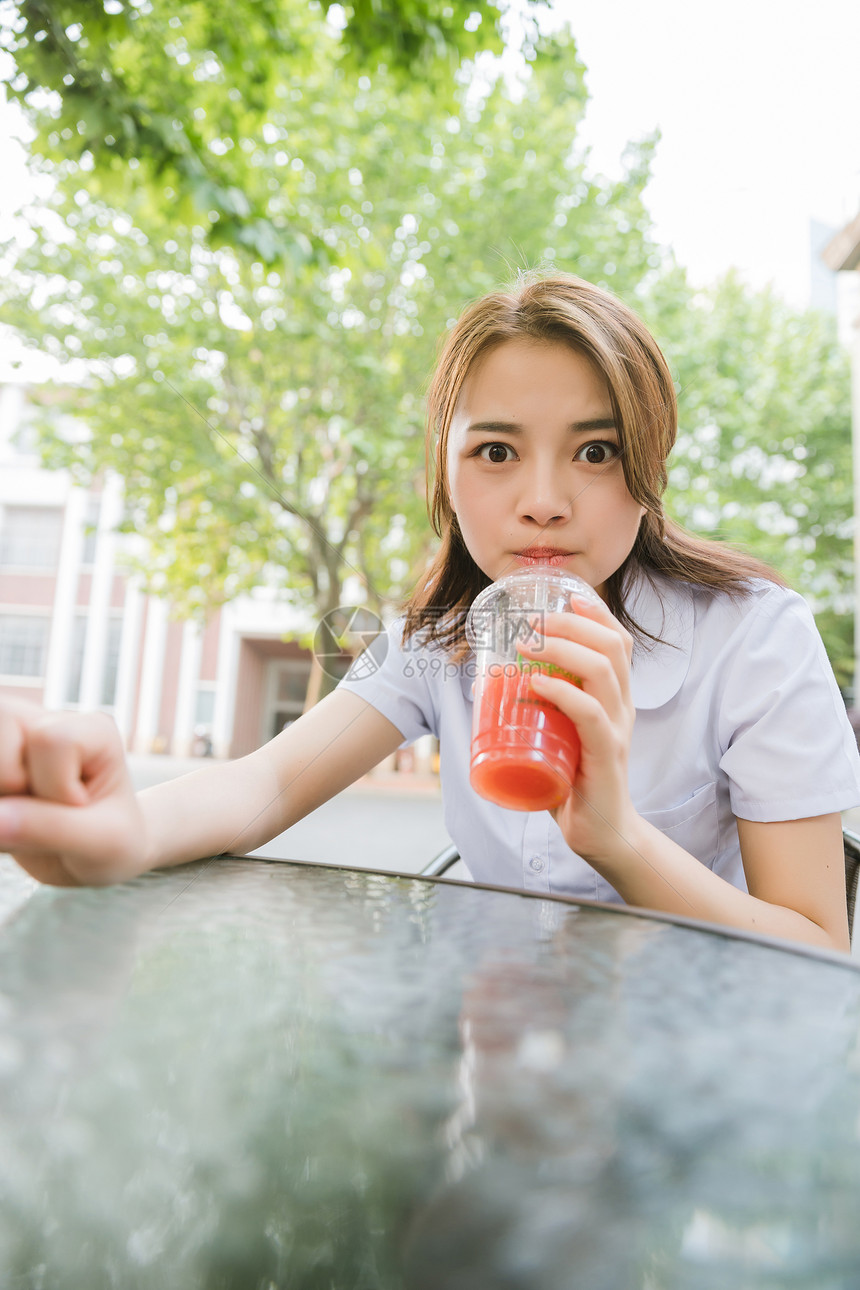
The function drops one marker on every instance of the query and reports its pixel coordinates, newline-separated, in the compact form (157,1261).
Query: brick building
(76,631)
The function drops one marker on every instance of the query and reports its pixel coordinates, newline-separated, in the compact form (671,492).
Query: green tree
(763,457)
(268,424)
(174,97)
(258,382)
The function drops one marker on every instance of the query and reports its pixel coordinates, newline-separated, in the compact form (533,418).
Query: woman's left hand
(596,817)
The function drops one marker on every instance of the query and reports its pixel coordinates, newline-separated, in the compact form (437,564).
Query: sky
(758,102)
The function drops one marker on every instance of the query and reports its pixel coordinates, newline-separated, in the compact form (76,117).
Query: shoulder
(760,611)
(419,644)
(389,649)
(664,601)
(759,648)
(403,679)
(697,633)
(414,665)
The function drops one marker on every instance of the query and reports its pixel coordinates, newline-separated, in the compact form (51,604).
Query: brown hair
(567,310)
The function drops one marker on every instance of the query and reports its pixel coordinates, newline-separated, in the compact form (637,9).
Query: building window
(30,536)
(290,687)
(23,645)
(110,668)
(204,707)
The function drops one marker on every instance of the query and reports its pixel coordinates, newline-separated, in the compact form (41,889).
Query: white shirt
(737,714)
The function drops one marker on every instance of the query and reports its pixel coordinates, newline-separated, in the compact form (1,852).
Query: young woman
(716,754)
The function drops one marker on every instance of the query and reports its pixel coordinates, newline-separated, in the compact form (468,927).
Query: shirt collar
(664,609)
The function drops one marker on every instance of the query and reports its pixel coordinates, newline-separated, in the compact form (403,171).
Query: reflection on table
(244,1074)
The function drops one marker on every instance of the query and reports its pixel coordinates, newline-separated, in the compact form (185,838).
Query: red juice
(525,751)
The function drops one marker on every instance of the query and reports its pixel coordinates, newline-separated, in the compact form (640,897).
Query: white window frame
(29,566)
(36,613)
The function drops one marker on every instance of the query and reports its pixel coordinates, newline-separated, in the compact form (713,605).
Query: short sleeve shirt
(737,715)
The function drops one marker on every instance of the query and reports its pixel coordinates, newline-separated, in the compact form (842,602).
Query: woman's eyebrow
(514,428)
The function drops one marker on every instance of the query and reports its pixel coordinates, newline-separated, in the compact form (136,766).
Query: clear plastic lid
(497,616)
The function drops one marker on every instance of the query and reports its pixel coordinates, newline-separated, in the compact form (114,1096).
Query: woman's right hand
(68,812)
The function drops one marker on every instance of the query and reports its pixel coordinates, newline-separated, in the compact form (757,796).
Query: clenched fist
(68,812)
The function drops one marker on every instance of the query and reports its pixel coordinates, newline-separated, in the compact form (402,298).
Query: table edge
(834,957)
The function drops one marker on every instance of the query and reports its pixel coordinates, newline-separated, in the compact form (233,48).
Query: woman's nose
(543,500)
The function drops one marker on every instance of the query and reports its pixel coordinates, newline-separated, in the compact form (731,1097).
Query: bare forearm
(650,870)
(239,805)
(69,814)
(232,807)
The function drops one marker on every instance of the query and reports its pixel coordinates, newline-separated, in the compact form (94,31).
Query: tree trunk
(323,678)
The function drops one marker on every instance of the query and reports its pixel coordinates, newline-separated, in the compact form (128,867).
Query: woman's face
(533,465)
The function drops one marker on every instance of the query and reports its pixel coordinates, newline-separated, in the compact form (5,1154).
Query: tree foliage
(175,96)
(763,458)
(269,423)
(253,290)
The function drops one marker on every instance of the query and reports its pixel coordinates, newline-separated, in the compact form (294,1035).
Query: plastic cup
(525,751)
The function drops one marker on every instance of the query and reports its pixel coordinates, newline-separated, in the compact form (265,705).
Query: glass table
(244,1074)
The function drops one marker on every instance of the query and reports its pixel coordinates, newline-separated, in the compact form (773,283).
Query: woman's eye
(495,452)
(598,453)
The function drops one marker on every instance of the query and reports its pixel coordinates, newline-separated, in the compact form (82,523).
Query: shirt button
(536,864)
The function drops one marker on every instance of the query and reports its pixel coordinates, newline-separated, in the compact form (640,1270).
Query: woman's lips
(542,555)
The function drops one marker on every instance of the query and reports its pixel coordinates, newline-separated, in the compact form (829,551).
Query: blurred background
(230,237)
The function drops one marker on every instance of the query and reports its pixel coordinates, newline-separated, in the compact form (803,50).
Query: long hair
(562,309)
